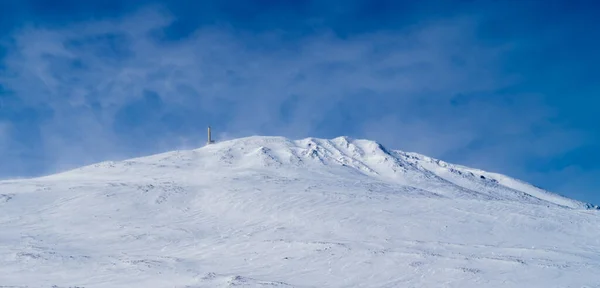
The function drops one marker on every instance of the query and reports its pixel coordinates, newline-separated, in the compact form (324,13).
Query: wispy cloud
(118,88)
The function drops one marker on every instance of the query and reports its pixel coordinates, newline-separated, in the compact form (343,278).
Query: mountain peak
(370,158)
(342,156)
(271,211)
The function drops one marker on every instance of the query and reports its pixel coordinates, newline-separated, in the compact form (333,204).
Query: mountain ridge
(352,153)
(274,212)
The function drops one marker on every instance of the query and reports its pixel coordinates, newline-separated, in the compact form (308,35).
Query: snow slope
(273,212)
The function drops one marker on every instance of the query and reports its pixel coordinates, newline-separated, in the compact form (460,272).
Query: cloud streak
(117,88)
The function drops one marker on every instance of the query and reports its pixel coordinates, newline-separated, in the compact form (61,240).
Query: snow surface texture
(272,212)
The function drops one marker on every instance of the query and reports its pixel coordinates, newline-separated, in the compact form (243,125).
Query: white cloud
(245,79)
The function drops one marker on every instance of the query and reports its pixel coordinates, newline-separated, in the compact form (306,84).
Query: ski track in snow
(272,212)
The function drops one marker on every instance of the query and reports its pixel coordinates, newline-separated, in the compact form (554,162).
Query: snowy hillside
(273,212)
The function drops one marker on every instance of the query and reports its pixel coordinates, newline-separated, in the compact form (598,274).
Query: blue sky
(505,86)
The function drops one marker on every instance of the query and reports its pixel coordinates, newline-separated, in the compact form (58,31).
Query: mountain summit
(275,212)
(341,157)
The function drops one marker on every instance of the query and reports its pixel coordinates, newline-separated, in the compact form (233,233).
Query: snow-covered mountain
(274,212)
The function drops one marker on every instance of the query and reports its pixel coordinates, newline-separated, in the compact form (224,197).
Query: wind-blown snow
(272,212)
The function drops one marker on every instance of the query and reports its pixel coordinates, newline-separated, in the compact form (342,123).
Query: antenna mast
(210,141)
